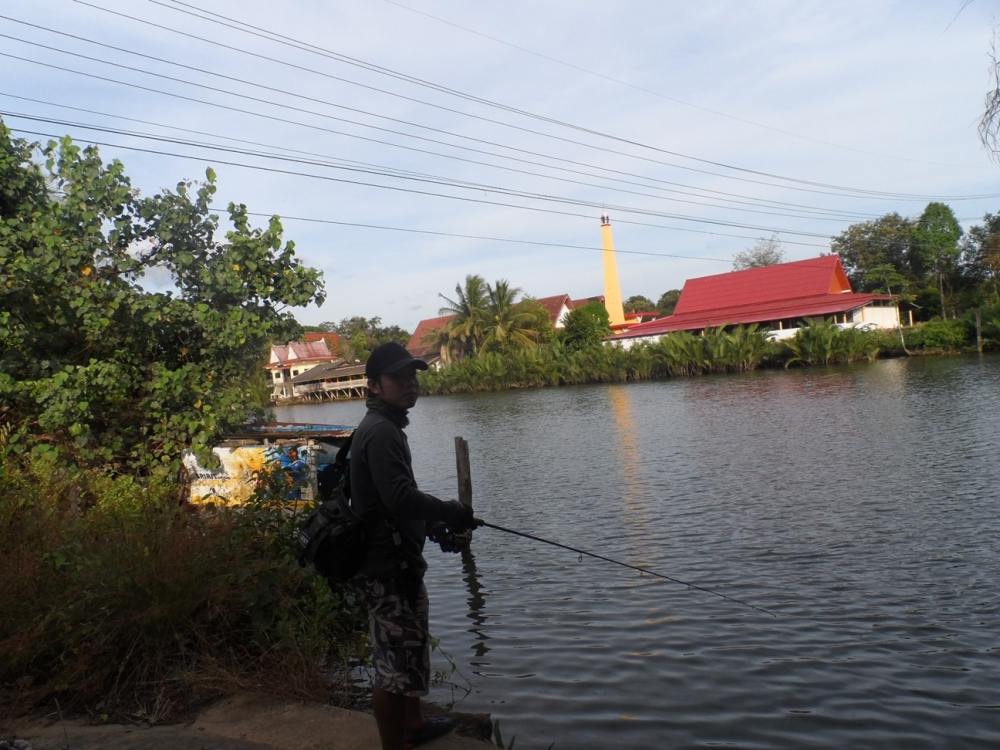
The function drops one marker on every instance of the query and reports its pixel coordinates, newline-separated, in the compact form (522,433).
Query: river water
(859,504)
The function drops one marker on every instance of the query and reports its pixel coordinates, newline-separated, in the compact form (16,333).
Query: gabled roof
(554,305)
(800,289)
(575,303)
(801,278)
(333,341)
(295,352)
(418,346)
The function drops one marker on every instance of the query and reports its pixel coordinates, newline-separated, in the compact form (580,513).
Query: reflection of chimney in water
(612,287)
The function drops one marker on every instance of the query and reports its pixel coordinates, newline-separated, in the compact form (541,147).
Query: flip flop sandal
(432,728)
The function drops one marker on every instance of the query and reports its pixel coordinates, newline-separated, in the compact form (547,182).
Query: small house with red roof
(422,343)
(287,361)
(779,297)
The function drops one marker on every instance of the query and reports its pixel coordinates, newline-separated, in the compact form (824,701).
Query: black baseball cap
(389,358)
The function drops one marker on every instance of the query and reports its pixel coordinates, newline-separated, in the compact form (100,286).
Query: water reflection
(637,514)
(477,605)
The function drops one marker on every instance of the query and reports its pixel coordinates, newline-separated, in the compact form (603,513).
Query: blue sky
(880,97)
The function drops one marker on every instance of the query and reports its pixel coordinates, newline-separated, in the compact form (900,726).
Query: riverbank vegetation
(738,349)
(120,603)
(118,599)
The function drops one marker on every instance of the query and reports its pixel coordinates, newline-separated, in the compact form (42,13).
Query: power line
(479,237)
(375,168)
(435,181)
(275,37)
(394,188)
(278,38)
(218,105)
(135,69)
(658,94)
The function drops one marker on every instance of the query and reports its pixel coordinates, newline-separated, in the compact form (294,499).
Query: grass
(121,603)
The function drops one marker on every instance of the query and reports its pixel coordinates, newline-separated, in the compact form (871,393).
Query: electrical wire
(394,188)
(563,200)
(713,193)
(368,66)
(420,126)
(275,37)
(328,161)
(658,94)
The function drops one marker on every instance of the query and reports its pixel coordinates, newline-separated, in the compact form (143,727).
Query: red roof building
(778,297)
(294,358)
(421,343)
(557,306)
(333,341)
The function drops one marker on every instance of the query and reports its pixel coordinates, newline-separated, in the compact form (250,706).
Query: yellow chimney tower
(612,287)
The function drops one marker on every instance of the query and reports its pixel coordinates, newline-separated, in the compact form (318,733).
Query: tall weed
(118,601)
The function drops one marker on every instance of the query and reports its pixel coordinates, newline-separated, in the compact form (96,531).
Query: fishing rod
(481,522)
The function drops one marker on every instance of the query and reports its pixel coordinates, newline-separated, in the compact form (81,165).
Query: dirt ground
(242,722)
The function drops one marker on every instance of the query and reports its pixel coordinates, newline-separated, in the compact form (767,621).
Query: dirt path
(243,722)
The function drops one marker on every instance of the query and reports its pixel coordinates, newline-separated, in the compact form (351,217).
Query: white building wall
(561,317)
(881,317)
(869,316)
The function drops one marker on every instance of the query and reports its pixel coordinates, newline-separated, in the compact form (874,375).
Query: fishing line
(481,522)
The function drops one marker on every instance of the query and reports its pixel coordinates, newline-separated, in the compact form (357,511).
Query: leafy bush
(738,350)
(942,335)
(119,601)
(822,343)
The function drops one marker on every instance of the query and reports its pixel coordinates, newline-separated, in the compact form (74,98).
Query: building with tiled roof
(333,341)
(421,343)
(558,307)
(779,297)
(286,361)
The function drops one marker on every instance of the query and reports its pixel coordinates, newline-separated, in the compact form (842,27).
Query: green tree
(638,303)
(981,257)
(510,324)
(364,334)
(765,252)
(585,326)
(886,241)
(469,307)
(935,238)
(668,301)
(98,369)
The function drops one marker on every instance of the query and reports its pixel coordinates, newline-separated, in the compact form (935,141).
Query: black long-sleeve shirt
(383,486)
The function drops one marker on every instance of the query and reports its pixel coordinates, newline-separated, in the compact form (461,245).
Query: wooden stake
(464,471)
(464,485)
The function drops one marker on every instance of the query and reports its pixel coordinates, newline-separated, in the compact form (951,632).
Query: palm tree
(469,309)
(509,324)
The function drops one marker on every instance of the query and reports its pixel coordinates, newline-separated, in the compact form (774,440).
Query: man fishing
(383,489)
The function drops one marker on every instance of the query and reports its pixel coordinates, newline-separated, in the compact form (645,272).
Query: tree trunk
(979,331)
(944,315)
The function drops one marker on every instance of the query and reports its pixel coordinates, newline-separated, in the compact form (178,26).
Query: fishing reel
(448,540)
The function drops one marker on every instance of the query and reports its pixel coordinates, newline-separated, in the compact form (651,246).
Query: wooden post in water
(464,478)
(464,472)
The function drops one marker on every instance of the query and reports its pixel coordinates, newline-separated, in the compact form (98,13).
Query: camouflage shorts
(400,638)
